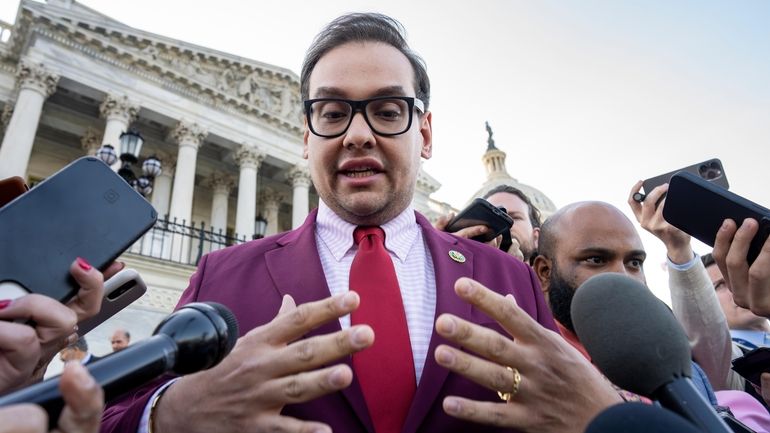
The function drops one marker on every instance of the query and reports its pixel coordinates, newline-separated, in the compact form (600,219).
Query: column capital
(249,157)
(188,134)
(91,141)
(6,114)
(220,182)
(35,76)
(270,198)
(119,107)
(299,176)
(168,162)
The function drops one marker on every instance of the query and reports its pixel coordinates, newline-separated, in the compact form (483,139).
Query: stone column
(299,176)
(90,142)
(221,184)
(161,186)
(35,85)
(189,136)
(119,112)
(249,159)
(270,203)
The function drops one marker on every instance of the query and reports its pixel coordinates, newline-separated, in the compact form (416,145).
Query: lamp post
(131,144)
(260,226)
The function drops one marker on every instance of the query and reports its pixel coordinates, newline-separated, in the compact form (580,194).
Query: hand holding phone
(481,212)
(751,365)
(120,291)
(84,210)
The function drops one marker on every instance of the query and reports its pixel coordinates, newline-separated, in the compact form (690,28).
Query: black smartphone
(751,365)
(120,291)
(481,212)
(711,170)
(83,210)
(698,207)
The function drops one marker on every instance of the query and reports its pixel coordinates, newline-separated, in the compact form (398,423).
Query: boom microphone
(193,338)
(636,341)
(639,418)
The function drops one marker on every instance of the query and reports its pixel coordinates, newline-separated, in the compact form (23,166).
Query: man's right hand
(268,369)
(649,214)
(750,284)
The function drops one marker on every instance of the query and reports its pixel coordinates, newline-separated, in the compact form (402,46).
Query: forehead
(511,202)
(358,70)
(597,227)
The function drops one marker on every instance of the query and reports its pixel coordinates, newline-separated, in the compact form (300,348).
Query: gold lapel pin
(456,256)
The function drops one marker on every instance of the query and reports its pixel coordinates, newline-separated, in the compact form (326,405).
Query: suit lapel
(447,271)
(296,270)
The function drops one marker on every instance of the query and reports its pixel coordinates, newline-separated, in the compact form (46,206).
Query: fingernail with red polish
(4,303)
(84,265)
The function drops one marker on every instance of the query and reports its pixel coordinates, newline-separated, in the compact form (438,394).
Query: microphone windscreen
(639,418)
(631,335)
(230,320)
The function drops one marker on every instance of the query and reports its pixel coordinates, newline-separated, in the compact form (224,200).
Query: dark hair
(534,213)
(707,260)
(81,344)
(364,27)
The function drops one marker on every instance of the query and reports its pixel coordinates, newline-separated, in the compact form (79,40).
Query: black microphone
(639,418)
(193,338)
(636,341)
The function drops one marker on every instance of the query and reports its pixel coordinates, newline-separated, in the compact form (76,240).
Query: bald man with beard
(577,242)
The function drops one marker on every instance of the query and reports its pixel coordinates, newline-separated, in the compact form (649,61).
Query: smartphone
(698,207)
(481,212)
(751,365)
(711,170)
(120,291)
(83,210)
(11,188)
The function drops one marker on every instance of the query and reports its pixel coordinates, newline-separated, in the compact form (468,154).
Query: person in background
(120,339)
(78,352)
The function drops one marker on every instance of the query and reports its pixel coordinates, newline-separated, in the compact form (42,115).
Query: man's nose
(359,133)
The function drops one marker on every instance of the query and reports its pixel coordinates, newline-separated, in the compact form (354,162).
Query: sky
(584,97)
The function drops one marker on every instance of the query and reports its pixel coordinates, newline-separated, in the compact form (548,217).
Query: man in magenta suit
(367,126)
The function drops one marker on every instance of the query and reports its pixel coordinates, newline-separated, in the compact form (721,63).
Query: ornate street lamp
(131,144)
(260,226)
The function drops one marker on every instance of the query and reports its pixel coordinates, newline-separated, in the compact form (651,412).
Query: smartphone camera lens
(711,171)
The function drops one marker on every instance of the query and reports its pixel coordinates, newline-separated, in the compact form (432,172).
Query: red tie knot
(363,232)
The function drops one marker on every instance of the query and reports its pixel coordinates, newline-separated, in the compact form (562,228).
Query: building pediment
(264,92)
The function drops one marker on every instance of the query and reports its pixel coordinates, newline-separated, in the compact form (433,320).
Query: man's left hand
(558,390)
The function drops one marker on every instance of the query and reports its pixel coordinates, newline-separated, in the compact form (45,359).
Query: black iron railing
(179,243)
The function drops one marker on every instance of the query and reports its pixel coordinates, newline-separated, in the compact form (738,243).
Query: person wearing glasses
(338,315)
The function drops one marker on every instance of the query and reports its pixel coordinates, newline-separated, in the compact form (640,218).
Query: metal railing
(179,243)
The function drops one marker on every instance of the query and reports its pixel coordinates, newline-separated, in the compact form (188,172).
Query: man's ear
(535,237)
(542,267)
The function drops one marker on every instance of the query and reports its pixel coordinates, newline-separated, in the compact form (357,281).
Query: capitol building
(227,132)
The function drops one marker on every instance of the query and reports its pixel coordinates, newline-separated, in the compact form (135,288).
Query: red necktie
(385,370)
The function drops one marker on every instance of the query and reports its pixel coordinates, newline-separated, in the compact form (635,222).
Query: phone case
(711,170)
(84,210)
(751,365)
(698,207)
(120,291)
(481,212)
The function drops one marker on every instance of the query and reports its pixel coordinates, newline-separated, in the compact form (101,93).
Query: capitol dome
(494,162)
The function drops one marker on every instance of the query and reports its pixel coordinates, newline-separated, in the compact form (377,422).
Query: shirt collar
(400,233)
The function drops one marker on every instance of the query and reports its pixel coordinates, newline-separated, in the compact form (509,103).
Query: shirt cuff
(684,266)
(144,423)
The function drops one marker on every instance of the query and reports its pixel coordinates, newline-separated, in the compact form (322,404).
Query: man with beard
(577,242)
(526,219)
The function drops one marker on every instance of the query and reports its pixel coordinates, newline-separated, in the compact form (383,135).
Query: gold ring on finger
(507,396)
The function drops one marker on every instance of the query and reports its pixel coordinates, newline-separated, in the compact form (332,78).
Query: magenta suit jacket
(252,278)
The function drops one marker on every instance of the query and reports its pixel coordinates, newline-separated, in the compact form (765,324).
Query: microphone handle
(682,397)
(146,361)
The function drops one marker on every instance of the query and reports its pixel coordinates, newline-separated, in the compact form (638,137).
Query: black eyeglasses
(386,115)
